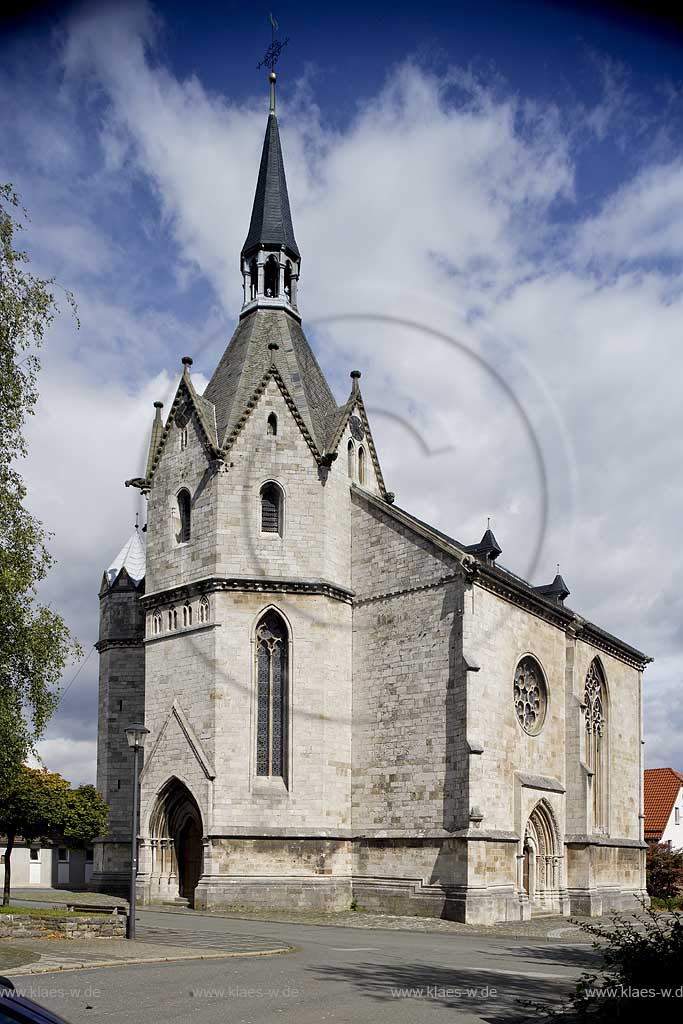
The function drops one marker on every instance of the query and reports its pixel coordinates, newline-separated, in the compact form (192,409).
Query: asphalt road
(334,974)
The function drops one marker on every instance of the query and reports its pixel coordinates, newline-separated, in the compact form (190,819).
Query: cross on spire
(272,54)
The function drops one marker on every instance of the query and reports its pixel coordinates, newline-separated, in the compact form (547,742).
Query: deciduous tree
(41,805)
(35,643)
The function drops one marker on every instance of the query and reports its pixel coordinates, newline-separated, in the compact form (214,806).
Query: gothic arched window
(204,610)
(172,618)
(361,465)
(595,701)
(271,695)
(253,279)
(271,509)
(183,438)
(288,281)
(185,513)
(272,425)
(271,278)
(187,615)
(530,695)
(351,459)
(156,623)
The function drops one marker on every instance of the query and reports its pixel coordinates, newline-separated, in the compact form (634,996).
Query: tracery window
(172,618)
(530,695)
(156,623)
(271,695)
(595,701)
(204,610)
(271,509)
(187,615)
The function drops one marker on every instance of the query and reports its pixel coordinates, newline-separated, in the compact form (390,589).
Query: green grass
(674,903)
(46,912)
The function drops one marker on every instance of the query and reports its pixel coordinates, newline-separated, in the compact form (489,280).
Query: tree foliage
(35,643)
(642,956)
(664,871)
(41,805)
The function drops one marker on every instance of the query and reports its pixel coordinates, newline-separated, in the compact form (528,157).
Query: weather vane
(276,47)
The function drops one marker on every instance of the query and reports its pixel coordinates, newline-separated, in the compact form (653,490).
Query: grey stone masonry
(121,703)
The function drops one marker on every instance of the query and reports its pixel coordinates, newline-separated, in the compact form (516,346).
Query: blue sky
(481,194)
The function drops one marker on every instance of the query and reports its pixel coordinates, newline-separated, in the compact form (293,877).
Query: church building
(343,702)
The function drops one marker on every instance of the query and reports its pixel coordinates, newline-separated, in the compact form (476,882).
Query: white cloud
(642,221)
(78,755)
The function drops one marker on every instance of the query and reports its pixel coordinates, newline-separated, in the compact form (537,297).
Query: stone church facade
(342,701)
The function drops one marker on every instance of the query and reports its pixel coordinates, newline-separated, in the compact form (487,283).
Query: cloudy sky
(489,204)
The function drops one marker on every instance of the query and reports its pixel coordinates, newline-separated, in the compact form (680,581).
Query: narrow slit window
(185,514)
(351,452)
(361,465)
(272,425)
(271,509)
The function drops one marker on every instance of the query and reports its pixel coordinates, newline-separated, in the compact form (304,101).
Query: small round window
(531,696)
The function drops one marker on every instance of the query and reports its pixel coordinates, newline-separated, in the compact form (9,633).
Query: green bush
(642,955)
(664,871)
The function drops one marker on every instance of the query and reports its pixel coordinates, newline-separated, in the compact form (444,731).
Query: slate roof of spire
(488,547)
(247,358)
(271,218)
(131,557)
(557,590)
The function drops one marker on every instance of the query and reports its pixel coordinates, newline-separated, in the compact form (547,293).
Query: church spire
(270,257)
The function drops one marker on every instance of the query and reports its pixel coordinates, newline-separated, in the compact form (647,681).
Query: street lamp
(136,735)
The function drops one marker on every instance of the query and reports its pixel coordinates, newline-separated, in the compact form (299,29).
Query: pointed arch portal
(542,859)
(176,843)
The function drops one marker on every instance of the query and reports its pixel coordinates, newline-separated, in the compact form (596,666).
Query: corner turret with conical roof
(121,701)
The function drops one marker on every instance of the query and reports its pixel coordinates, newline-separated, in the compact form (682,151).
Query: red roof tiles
(661,789)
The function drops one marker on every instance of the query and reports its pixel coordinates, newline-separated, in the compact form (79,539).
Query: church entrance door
(176,844)
(189,853)
(541,863)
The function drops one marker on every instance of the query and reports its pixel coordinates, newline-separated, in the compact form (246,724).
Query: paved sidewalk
(562,929)
(557,929)
(153,945)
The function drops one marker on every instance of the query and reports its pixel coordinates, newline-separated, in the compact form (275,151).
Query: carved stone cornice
(109,642)
(248,585)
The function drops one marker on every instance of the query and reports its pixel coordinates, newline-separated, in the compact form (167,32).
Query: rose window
(531,697)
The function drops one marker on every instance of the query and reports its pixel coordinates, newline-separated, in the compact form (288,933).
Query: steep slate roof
(247,358)
(508,585)
(661,789)
(131,557)
(271,219)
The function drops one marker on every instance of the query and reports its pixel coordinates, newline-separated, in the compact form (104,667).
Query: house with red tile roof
(664,806)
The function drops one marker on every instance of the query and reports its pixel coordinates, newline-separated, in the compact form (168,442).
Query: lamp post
(136,735)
